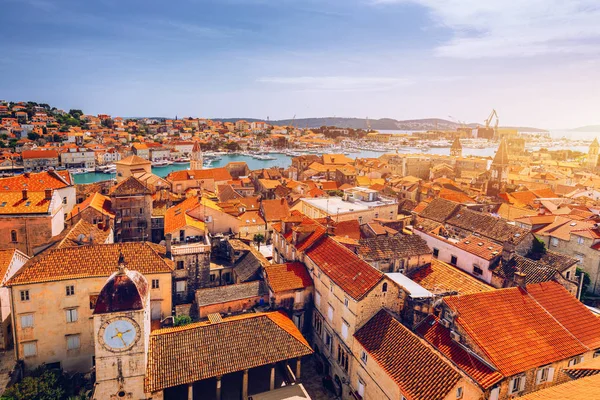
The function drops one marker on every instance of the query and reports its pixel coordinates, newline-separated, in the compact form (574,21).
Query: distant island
(587,128)
(377,124)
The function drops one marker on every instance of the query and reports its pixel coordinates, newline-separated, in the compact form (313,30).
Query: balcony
(190,248)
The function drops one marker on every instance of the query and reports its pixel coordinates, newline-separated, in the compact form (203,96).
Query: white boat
(89,169)
(110,170)
(161,163)
(77,171)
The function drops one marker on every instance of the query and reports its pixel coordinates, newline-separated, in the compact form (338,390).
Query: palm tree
(258,239)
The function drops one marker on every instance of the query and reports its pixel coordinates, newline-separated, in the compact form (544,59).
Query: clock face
(119,334)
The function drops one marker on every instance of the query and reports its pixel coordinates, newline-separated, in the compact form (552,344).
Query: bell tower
(196,161)
(499,171)
(121,335)
(456,149)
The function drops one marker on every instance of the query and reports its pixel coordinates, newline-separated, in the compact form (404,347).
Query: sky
(537,62)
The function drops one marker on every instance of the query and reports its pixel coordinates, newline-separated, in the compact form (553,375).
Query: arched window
(384,287)
(13,236)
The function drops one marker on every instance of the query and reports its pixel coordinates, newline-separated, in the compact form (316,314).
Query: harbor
(284,159)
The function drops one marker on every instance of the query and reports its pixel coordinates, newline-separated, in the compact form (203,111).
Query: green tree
(33,136)
(258,239)
(41,384)
(586,281)
(56,138)
(75,113)
(537,250)
(181,320)
(63,128)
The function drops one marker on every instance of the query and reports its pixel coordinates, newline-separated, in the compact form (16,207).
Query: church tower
(196,157)
(592,157)
(456,149)
(499,170)
(121,335)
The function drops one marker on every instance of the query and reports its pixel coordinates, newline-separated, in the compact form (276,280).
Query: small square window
(24,295)
(155,284)
(71,315)
(180,265)
(70,289)
(346,302)
(459,392)
(29,349)
(27,321)
(363,357)
(73,342)
(453,260)
(436,252)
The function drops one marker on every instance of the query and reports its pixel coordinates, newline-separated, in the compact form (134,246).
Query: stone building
(499,171)
(348,292)
(549,330)
(30,219)
(132,165)
(131,201)
(54,297)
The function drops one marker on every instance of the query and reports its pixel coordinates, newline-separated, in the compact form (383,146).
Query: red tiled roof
(519,330)
(418,370)
(275,210)
(353,275)
(30,154)
(37,181)
(479,246)
(439,337)
(289,276)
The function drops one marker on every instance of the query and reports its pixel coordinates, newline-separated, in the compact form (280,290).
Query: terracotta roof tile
(96,201)
(36,181)
(92,261)
(439,210)
(353,275)
(580,389)
(526,329)
(439,337)
(235,344)
(418,370)
(479,246)
(440,277)
(275,210)
(289,276)
(13,203)
(388,247)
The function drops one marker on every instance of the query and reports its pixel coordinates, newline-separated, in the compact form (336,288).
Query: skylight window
(3,204)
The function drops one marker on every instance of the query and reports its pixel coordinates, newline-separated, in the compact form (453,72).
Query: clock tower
(121,333)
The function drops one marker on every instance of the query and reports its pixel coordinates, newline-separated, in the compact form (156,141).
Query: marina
(284,159)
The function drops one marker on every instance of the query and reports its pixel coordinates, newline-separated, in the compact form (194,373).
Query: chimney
(519,279)
(26,174)
(168,238)
(24,191)
(48,194)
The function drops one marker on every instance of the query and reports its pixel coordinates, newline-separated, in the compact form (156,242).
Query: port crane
(488,121)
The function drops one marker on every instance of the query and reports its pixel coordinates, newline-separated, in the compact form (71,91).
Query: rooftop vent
(480,244)
(573,224)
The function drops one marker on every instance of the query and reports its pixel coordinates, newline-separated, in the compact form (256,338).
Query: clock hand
(119,334)
(121,337)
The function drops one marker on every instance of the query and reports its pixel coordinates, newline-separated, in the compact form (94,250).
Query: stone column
(245,385)
(190,391)
(298,369)
(272,385)
(219,387)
